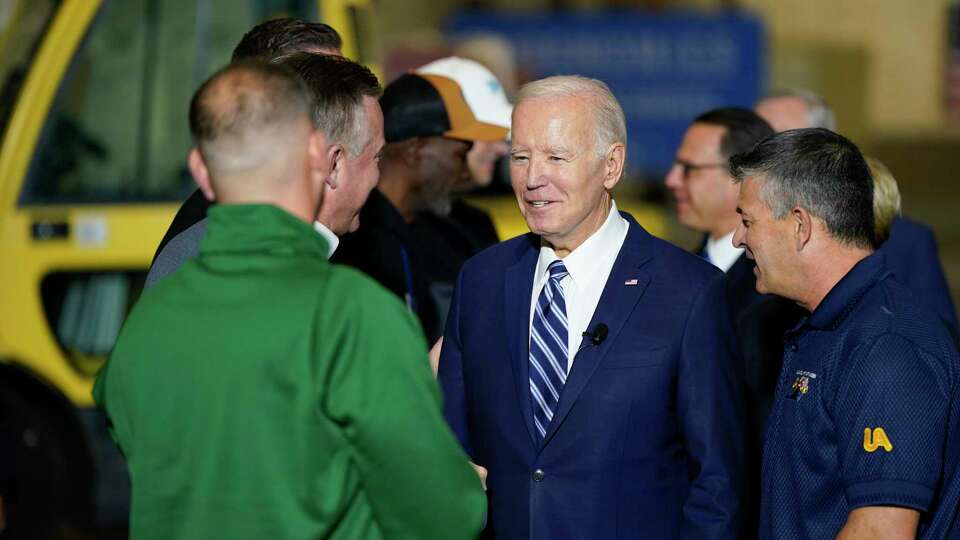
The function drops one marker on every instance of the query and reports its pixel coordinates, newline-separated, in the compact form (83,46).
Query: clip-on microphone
(598,334)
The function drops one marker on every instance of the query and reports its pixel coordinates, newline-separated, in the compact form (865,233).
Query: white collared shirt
(722,252)
(588,268)
(332,240)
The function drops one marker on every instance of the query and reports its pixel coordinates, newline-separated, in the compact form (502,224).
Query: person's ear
(318,154)
(200,173)
(802,223)
(336,154)
(613,164)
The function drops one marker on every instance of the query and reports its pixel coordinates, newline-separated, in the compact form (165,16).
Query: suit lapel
(614,308)
(517,290)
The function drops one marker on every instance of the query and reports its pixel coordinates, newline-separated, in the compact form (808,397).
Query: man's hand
(481,472)
(880,522)
(435,356)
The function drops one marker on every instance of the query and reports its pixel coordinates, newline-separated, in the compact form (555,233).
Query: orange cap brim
(463,124)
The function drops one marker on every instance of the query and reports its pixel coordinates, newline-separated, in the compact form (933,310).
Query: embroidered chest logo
(876,438)
(801,385)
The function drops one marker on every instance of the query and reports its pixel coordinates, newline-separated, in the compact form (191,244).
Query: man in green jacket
(259,391)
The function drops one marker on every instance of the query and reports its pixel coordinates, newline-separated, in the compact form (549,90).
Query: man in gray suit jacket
(334,82)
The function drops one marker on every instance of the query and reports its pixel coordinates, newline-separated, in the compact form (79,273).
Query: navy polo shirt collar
(845,294)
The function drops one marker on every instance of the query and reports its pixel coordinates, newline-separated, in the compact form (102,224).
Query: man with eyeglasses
(706,196)
(706,200)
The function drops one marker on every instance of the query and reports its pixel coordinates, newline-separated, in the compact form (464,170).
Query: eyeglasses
(686,168)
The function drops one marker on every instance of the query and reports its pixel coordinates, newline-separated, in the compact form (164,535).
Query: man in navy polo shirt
(864,437)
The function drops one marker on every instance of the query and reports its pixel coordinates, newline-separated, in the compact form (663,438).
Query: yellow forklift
(93,119)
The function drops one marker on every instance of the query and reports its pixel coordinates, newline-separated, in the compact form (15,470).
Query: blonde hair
(886,198)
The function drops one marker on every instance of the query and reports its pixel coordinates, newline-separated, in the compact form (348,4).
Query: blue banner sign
(665,68)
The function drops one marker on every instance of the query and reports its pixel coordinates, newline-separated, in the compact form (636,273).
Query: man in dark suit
(706,201)
(587,365)
(910,246)
(350,90)
(266,41)
(913,258)
(706,197)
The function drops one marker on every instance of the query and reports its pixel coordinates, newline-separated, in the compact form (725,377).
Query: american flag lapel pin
(630,282)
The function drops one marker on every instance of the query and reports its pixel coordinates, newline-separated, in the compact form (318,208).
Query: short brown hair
(278,37)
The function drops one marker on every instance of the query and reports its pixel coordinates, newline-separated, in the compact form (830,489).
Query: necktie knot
(557,271)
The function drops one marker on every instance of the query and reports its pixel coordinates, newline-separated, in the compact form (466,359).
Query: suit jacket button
(538,475)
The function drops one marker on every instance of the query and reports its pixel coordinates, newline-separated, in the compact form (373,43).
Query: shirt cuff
(889,493)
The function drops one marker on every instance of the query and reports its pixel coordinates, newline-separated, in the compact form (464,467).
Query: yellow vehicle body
(24,336)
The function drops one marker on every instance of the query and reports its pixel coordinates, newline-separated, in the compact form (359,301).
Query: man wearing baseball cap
(488,102)
(449,240)
(429,128)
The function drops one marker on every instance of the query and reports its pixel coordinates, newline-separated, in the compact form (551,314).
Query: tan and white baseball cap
(422,105)
(482,91)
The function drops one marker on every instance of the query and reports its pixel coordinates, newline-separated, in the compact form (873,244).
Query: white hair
(819,114)
(610,125)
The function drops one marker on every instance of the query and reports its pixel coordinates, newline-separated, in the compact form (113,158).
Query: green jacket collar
(245,228)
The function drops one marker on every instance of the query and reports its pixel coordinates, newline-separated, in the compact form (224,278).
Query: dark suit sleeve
(182,248)
(450,374)
(193,210)
(712,418)
(930,280)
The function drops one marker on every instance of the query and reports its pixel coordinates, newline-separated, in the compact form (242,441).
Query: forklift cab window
(23,24)
(117,130)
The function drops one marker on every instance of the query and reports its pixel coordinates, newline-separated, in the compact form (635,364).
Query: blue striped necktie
(548,349)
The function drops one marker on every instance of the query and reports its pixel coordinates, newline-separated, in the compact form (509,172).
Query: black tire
(46,472)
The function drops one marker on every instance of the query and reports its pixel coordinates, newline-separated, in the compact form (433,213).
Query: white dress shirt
(588,268)
(332,240)
(722,252)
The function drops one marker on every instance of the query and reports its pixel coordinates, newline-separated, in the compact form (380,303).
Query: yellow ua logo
(877,438)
